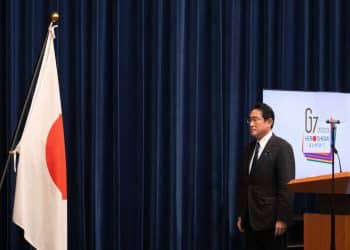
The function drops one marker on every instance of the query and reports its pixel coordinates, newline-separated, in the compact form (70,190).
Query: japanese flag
(40,206)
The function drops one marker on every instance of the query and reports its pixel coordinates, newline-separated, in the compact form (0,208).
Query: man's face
(257,125)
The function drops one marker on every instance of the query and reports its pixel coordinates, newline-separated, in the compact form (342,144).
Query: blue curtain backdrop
(155,95)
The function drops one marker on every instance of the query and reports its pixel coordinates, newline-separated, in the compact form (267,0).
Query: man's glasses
(254,120)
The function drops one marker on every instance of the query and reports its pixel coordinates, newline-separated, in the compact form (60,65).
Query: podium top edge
(320,178)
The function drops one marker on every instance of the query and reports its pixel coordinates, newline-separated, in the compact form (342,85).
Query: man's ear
(270,122)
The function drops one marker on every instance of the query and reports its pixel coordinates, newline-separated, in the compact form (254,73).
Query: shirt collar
(263,141)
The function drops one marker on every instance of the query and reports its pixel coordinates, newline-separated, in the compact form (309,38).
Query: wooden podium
(317,226)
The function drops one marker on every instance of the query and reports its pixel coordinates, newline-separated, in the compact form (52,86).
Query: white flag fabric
(40,206)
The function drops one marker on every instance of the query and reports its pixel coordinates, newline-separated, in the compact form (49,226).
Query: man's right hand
(239,224)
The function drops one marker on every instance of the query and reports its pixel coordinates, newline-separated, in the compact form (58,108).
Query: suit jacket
(264,194)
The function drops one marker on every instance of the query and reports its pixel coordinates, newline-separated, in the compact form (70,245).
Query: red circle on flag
(56,156)
(314,138)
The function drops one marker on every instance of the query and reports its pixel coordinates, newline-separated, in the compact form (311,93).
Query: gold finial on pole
(54,17)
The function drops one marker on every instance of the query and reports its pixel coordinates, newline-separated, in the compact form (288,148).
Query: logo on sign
(316,139)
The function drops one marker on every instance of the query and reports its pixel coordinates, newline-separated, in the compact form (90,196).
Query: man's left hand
(280,228)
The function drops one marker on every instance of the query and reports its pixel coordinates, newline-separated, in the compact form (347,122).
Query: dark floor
(296,234)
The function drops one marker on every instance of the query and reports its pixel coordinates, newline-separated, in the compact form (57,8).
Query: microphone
(336,153)
(334,148)
(331,121)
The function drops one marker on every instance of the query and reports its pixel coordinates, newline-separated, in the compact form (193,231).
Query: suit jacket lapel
(268,148)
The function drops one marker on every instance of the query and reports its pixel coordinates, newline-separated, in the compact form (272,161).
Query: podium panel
(317,228)
(317,232)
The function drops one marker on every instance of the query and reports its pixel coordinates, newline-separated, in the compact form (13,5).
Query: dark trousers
(265,240)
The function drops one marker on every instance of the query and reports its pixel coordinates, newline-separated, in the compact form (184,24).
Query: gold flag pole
(54,17)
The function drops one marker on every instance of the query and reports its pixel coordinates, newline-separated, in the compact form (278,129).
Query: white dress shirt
(263,141)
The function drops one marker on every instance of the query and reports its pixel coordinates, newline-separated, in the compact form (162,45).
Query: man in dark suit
(264,202)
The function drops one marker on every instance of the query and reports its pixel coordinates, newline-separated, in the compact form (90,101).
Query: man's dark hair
(266,111)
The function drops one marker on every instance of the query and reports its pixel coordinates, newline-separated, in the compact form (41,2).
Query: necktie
(256,154)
